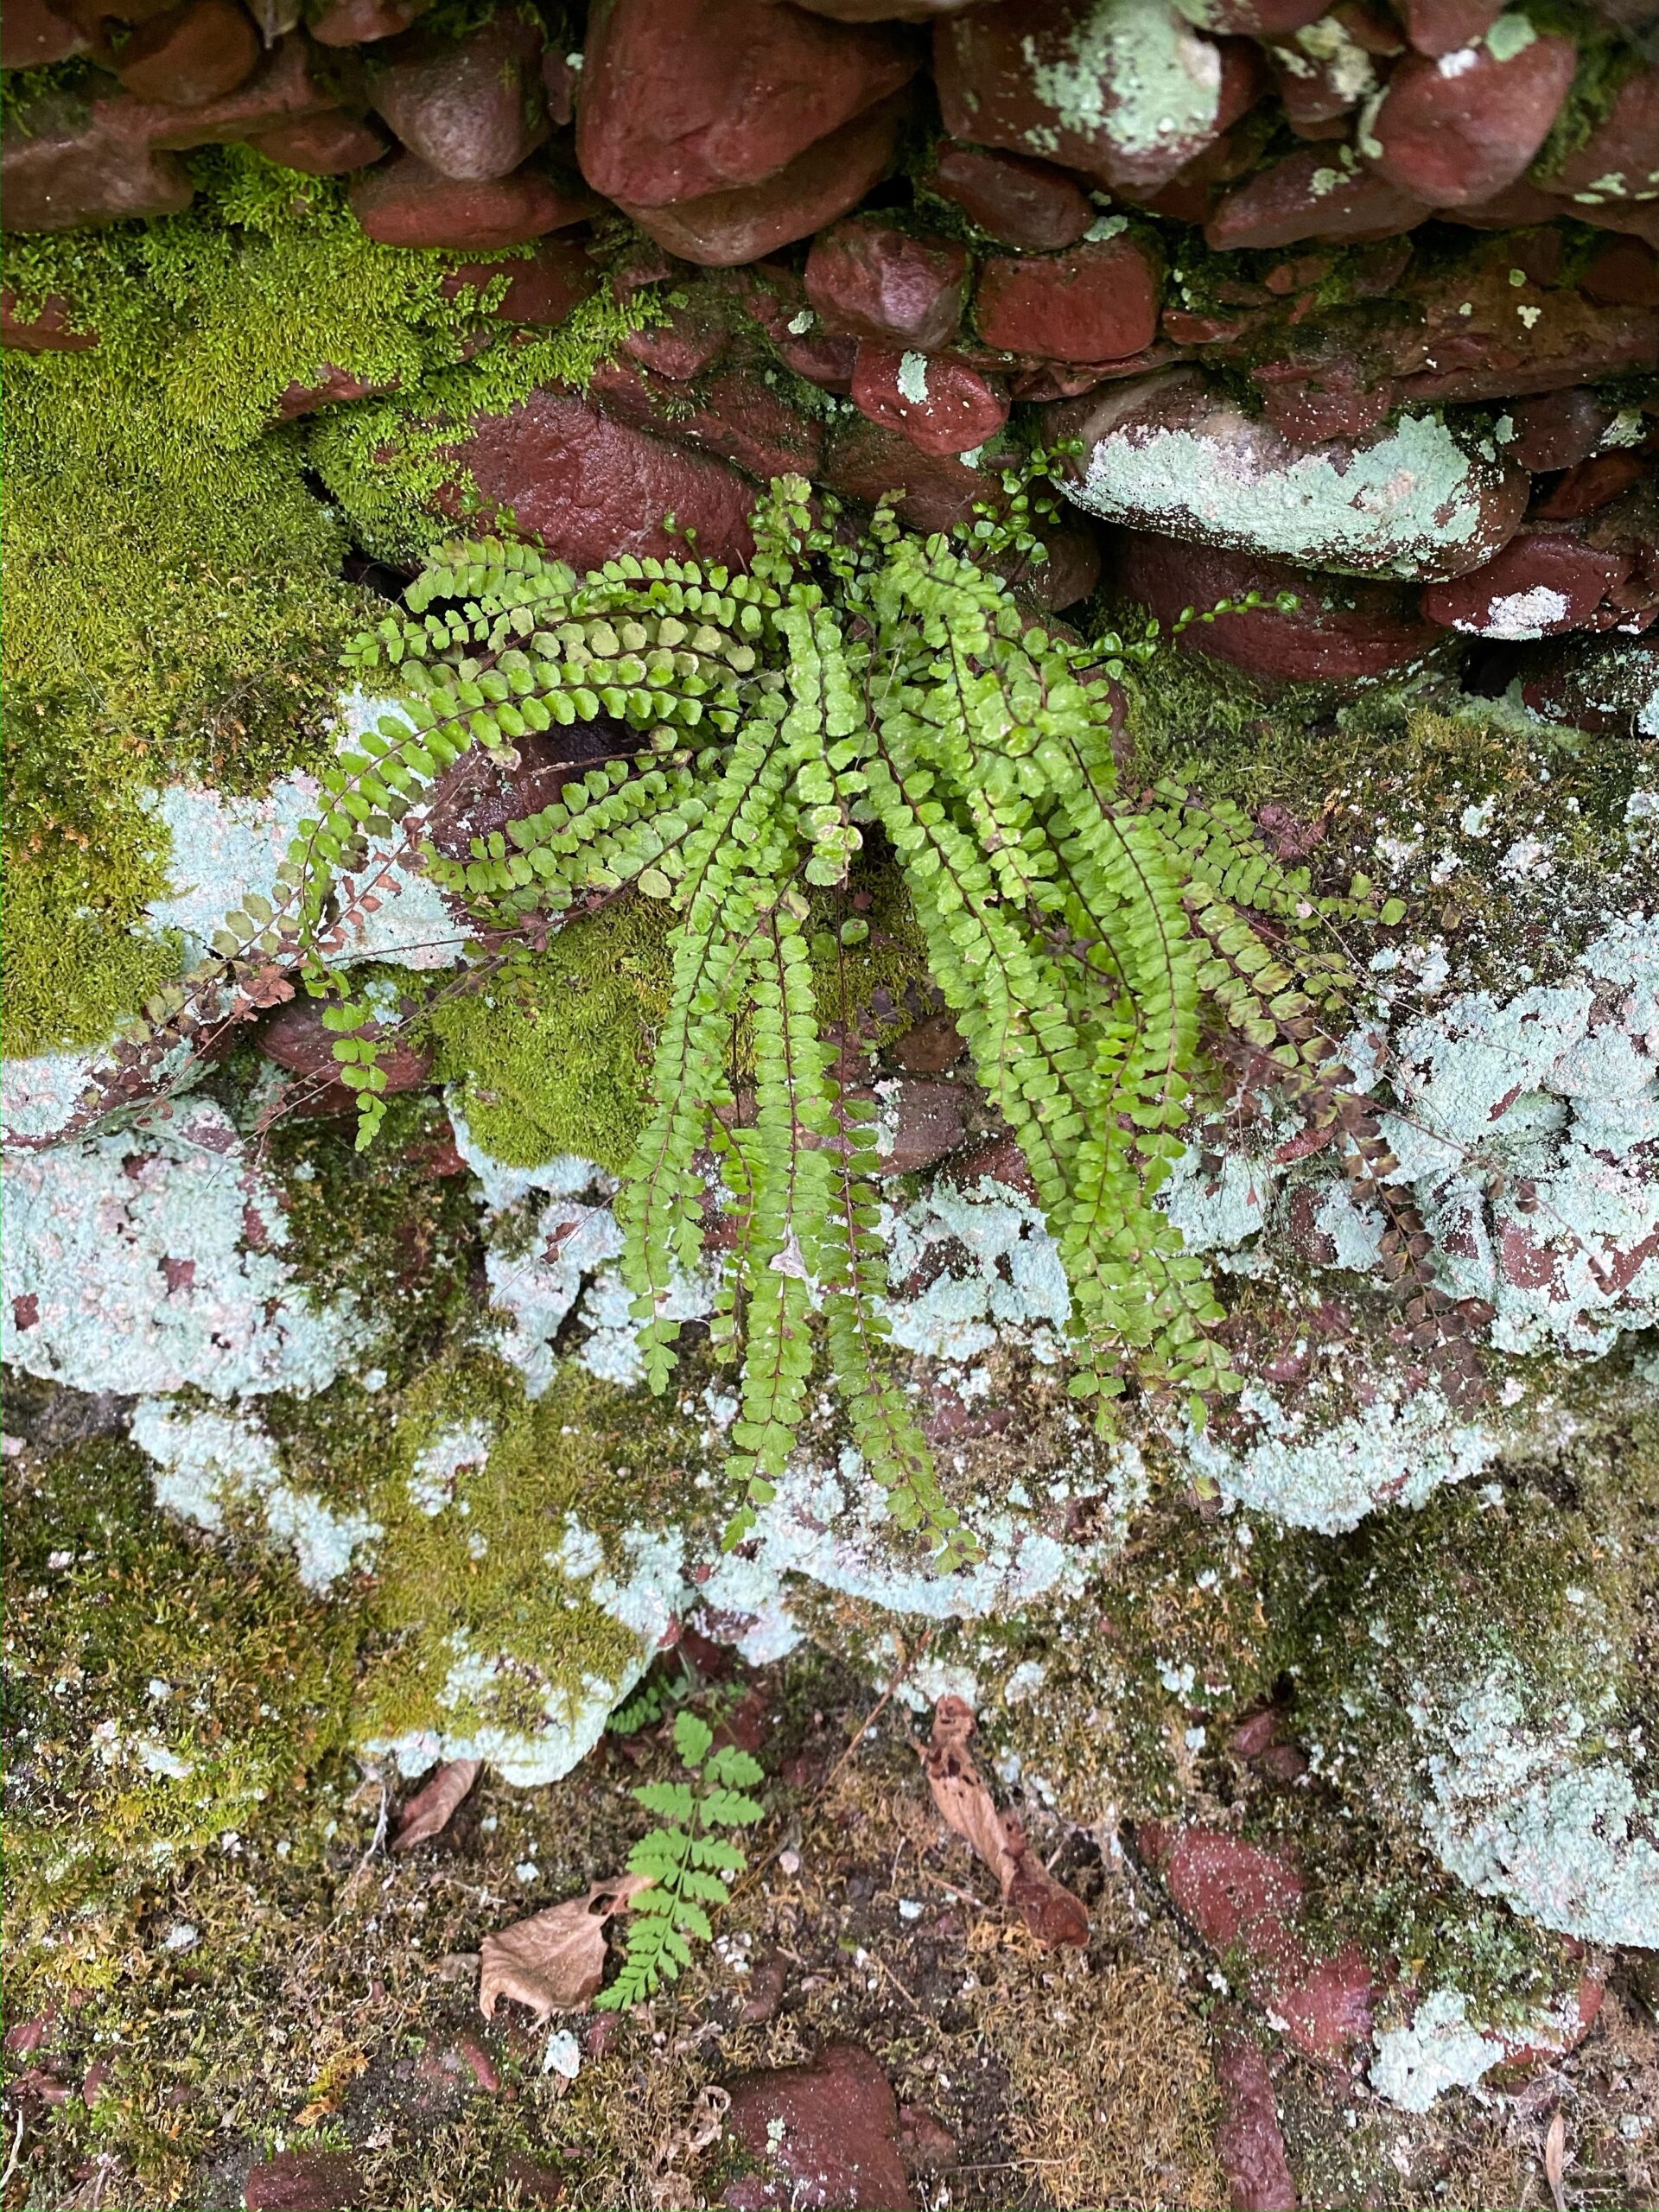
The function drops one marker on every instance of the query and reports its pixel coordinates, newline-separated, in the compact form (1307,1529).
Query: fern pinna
(1087,939)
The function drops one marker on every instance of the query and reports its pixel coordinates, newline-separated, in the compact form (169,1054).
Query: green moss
(559,1060)
(174,607)
(481,1580)
(70,972)
(163,1693)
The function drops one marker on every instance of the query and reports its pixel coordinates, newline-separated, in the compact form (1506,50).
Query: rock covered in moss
(1171,452)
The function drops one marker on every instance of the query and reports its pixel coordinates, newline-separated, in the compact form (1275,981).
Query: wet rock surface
(822,2134)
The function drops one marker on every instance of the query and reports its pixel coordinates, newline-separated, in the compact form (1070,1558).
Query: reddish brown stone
(926,1123)
(938,404)
(1471,340)
(296,1039)
(290,86)
(1437,27)
(1067,571)
(1338,632)
(470,107)
(1610,685)
(53,329)
(1193,192)
(686,97)
(996,69)
(589,487)
(306,2181)
(480,793)
(932,1046)
(193,54)
(1248,2143)
(1095,303)
(692,340)
(1624,273)
(1243,1899)
(868,279)
(1022,202)
(1330,394)
(331,387)
(999,1160)
(1558,429)
(1592,485)
(405,203)
(1371,24)
(33,34)
(1319,92)
(822,2134)
(1624,145)
(327,145)
(542,287)
(354,22)
(736,415)
(558,87)
(1542,584)
(865,461)
(1312,194)
(723,229)
(63,168)
(1455,130)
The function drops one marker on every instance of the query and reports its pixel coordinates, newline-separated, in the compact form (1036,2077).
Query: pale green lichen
(1391,506)
(1131,73)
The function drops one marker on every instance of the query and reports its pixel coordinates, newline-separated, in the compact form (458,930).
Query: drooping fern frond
(1102,951)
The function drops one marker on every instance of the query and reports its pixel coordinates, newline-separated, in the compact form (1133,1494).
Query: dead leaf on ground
(1556,2159)
(1048,1908)
(670,2184)
(554,1961)
(430,1811)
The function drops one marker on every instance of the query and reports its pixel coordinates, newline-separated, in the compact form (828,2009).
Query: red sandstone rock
(589,487)
(1022,202)
(306,2181)
(686,97)
(1542,584)
(822,2134)
(63,168)
(287,86)
(1610,685)
(932,1045)
(1068,571)
(1325,393)
(543,289)
(1248,2143)
(1174,453)
(692,340)
(940,405)
(354,22)
(926,1125)
(1437,26)
(736,414)
(1624,273)
(869,279)
(1590,487)
(1243,1899)
(1477,336)
(1558,429)
(296,1039)
(470,107)
(1312,194)
(51,329)
(1619,159)
(1455,130)
(1192,193)
(723,229)
(866,460)
(33,34)
(480,794)
(331,386)
(190,54)
(406,203)
(1095,303)
(1339,631)
(1318,90)
(1004,75)
(328,145)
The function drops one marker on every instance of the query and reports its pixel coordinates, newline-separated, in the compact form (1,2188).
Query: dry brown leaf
(554,1961)
(1556,2159)
(1048,1908)
(428,1812)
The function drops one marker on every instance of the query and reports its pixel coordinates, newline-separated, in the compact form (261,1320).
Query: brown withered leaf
(1047,1907)
(554,1961)
(1556,2159)
(429,1811)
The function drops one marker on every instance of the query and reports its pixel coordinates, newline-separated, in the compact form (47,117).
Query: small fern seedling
(684,1859)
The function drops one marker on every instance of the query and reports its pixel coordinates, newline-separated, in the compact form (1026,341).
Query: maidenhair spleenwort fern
(684,1859)
(1104,951)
